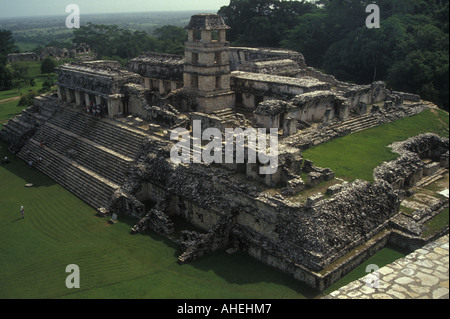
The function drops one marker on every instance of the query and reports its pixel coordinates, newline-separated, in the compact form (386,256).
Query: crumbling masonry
(123,155)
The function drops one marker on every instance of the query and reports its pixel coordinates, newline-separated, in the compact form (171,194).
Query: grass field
(10,98)
(355,156)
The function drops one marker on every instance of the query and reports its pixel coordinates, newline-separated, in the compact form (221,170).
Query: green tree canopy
(112,41)
(48,66)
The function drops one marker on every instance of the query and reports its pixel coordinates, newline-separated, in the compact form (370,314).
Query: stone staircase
(322,133)
(21,127)
(225,113)
(88,156)
(428,180)
(363,122)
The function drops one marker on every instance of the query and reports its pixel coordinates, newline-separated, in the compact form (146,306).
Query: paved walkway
(422,274)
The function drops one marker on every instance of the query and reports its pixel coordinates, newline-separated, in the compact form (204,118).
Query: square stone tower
(207,63)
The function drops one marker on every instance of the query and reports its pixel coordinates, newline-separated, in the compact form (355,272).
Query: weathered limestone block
(369,94)
(294,186)
(314,179)
(268,114)
(332,190)
(407,225)
(431,168)
(314,199)
(361,108)
(290,126)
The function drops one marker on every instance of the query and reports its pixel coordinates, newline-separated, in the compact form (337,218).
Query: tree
(102,39)
(6,45)
(48,66)
(5,78)
(310,37)
(112,41)
(275,17)
(27,99)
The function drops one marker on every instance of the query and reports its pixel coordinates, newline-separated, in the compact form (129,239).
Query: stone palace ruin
(118,159)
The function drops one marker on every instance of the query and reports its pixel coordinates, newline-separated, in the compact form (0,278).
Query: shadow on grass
(237,268)
(21,169)
(242,269)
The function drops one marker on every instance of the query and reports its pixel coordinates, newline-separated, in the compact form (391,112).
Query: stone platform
(423,274)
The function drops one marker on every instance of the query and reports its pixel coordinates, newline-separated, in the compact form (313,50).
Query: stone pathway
(422,274)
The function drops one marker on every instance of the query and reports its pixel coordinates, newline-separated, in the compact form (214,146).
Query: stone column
(161,87)
(190,35)
(87,99)
(68,95)
(147,82)
(115,105)
(78,96)
(289,126)
(62,93)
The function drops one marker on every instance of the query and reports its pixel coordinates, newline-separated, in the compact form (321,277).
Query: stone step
(89,126)
(79,180)
(112,137)
(95,158)
(424,182)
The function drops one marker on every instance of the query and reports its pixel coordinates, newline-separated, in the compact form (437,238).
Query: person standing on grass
(22,211)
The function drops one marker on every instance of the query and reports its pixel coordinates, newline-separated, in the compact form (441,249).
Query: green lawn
(7,111)
(355,156)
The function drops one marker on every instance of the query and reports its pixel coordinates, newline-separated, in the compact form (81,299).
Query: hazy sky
(22,8)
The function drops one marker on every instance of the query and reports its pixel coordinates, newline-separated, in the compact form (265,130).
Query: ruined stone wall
(274,66)
(312,107)
(158,66)
(27,56)
(368,94)
(241,56)
(409,168)
(100,78)
(272,86)
(53,52)
(312,72)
